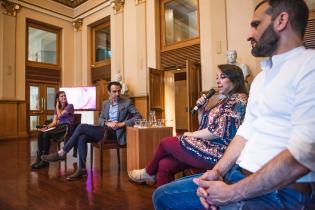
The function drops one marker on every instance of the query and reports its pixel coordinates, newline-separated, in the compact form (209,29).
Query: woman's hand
(189,134)
(202,100)
(57,105)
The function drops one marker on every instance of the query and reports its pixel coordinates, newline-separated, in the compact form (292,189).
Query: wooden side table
(142,143)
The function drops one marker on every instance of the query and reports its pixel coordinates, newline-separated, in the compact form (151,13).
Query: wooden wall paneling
(178,57)
(101,93)
(156,96)
(40,74)
(181,104)
(101,73)
(13,120)
(22,124)
(8,123)
(141,103)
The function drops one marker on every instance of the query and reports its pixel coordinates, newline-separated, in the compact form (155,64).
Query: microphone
(210,93)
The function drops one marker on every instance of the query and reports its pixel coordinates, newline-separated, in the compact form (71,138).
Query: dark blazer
(127,113)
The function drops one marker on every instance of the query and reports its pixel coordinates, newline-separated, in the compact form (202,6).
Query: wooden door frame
(43,105)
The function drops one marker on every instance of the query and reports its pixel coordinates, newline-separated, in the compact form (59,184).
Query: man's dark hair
(113,83)
(297,10)
(235,74)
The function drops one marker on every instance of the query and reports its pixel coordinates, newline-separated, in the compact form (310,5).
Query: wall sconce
(117,5)
(11,8)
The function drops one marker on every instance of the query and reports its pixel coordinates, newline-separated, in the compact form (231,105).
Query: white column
(7,56)
(135,44)
(117,43)
(78,68)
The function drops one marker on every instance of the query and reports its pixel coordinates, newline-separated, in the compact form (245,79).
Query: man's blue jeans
(181,195)
(82,134)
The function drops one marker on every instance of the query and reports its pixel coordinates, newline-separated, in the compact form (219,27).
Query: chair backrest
(77,119)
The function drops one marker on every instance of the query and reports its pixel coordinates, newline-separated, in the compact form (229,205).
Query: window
(101,45)
(42,45)
(179,21)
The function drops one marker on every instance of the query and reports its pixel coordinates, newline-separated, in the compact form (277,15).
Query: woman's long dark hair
(235,74)
(57,98)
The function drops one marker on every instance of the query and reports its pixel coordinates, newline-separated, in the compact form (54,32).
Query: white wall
(238,27)
(212,39)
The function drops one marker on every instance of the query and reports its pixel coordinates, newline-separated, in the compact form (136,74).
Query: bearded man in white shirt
(270,164)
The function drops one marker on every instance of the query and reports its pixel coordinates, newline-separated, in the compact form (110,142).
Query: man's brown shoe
(80,173)
(53,157)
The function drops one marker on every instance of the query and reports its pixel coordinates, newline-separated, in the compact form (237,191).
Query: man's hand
(202,181)
(121,124)
(111,124)
(214,193)
(115,125)
(57,104)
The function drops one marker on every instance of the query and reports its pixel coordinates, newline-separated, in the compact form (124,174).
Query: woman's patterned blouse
(223,121)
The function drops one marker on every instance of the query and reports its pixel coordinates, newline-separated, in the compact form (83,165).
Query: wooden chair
(103,144)
(69,131)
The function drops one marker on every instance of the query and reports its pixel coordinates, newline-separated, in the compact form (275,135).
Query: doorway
(176,99)
(40,104)
(174,92)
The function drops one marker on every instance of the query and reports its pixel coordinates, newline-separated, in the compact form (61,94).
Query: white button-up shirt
(280,113)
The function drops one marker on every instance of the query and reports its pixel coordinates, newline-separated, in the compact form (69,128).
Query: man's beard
(267,44)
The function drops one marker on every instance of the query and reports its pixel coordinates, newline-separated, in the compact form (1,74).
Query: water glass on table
(143,123)
(160,122)
(137,123)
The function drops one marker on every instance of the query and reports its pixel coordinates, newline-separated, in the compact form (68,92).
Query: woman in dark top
(218,123)
(63,115)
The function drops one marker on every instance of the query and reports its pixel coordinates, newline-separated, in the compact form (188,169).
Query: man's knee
(157,198)
(82,126)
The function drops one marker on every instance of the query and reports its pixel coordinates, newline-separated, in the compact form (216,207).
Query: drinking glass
(137,123)
(143,123)
(160,122)
(152,118)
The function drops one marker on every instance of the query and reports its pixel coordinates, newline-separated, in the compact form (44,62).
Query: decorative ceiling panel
(71,3)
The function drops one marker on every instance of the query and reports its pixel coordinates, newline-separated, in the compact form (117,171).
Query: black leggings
(44,138)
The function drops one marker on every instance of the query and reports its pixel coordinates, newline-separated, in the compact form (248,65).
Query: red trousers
(170,158)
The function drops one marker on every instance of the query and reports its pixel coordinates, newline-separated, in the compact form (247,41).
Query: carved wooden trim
(11,8)
(139,2)
(78,24)
(117,5)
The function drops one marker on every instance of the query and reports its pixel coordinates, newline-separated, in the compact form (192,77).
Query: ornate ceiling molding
(71,3)
(11,8)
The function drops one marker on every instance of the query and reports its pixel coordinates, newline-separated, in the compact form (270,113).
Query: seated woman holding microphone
(201,149)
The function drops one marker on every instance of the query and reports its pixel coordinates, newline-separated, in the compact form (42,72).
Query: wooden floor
(21,188)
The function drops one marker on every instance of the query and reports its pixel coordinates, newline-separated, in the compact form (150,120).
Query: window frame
(180,44)
(49,28)
(104,62)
